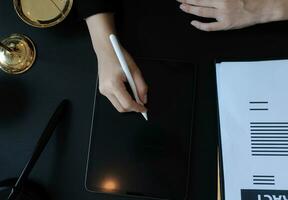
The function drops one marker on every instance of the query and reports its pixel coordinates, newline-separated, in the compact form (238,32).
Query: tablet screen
(131,156)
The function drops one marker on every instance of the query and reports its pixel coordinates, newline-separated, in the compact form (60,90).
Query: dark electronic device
(133,157)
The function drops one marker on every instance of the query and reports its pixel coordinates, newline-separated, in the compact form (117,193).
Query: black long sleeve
(162,31)
(86,8)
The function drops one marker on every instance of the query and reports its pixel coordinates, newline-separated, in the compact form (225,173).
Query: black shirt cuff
(87,8)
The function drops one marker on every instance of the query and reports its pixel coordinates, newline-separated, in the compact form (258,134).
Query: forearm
(100,27)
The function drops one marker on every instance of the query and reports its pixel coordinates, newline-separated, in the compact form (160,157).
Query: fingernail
(145,99)
(182,6)
(193,23)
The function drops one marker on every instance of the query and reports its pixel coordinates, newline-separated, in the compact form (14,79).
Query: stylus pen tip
(145,115)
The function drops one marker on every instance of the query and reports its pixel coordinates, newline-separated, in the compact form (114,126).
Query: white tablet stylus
(125,68)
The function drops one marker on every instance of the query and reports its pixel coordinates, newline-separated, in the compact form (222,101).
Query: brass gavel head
(42,13)
(17,54)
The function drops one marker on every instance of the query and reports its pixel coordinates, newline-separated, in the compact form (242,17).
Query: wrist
(274,10)
(106,55)
(103,49)
(282,10)
(100,27)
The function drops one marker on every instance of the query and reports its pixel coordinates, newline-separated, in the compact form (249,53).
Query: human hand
(111,75)
(234,14)
(112,79)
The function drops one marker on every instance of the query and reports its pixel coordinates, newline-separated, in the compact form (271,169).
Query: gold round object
(19,54)
(42,13)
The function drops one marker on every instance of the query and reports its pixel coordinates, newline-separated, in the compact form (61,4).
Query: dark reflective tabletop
(65,68)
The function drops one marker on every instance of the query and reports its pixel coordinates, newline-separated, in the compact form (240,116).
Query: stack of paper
(253,114)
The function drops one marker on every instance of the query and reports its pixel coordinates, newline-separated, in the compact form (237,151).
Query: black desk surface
(65,68)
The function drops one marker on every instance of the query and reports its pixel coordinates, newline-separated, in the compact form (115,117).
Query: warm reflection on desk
(110,184)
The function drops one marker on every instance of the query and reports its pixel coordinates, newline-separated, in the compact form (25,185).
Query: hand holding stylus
(111,76)
(126,70)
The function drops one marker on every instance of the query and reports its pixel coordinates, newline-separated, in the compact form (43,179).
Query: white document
(253,113)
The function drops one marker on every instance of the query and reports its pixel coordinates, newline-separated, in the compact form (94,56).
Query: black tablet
(131,156)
